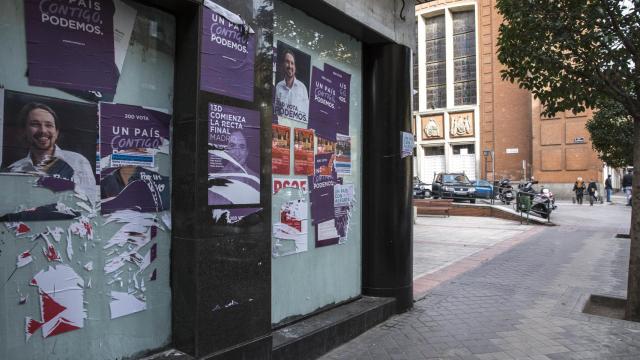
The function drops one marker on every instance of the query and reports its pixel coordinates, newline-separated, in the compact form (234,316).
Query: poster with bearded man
(45,136)
(291,94)
(234,155)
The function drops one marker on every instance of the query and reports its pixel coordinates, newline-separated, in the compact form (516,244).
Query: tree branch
(618,31)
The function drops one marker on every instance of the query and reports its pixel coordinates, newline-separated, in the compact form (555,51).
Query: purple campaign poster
(290,94)
(227,57)
(234,155)
(342,81)
(130,128)
(130,137)
(322,182)
(70,44)
(323,104)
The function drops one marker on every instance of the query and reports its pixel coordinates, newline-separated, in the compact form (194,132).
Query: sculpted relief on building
(461,124)
(433,127)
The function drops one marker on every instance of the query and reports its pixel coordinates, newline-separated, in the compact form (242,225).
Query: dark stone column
(221,274)
(387,208)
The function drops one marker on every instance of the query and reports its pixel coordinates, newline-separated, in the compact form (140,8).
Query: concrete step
(314,336)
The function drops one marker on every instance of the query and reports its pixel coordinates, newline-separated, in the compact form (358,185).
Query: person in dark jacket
(627,183)
(608,188)
(579,189)
(592,190)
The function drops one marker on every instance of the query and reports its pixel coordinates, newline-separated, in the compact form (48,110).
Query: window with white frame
(414,90)
(436,64)
(464,58)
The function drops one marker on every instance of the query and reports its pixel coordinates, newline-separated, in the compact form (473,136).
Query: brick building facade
(507,132)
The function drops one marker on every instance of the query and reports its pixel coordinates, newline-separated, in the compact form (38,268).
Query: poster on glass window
(49,137)
(130,138)
(291,94)
(70,44)
(234,155)
(323,111)
(227,54)
(280,149)
(303,152)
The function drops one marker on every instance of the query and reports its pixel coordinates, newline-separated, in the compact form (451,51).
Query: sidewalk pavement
(523,302)
(443,248)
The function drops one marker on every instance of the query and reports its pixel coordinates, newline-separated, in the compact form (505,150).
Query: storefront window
(85,134)
(317,161)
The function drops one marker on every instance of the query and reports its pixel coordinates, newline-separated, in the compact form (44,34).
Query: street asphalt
(494,289)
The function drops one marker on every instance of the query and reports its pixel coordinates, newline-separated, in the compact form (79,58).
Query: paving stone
(521,303)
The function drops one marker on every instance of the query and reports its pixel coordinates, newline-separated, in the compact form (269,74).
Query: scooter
(542,203)
(552,198)
(505,191)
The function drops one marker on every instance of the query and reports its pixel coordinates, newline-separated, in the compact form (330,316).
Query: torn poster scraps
(166,219)
(344,202)
(55,184)
(81,228)
(146,191)
(61,302)
(127,246)
(24,259)
(88,266)
(19,228)
(50,251)
(233,216)
(56,232)
(57,211)
(290,232)
(131,216)
(123,304)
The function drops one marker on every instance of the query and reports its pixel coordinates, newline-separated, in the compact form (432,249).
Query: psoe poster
(234,155)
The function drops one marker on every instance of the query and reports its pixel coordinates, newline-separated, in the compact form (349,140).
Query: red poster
(281,149)
(303,152)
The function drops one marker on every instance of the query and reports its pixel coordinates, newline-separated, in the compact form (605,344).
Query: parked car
(484,189)
(453,186)
(421,190)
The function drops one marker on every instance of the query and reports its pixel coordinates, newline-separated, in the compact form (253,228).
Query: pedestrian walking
(608,188)
(579,188)
(592,190)
(627,185)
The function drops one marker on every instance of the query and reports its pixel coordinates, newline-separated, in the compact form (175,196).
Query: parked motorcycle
(505,191)
(542,202)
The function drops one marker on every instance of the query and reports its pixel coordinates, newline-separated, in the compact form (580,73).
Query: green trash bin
(523,203)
